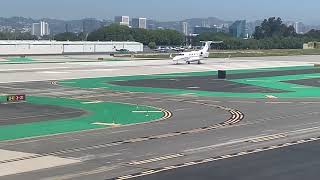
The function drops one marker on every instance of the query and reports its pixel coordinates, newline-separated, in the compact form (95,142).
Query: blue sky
(298,10)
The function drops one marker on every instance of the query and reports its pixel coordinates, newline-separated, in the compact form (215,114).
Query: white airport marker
(271,97)
(256,80)
(106,124)
(146,111)
(300,87)
(53,72)
(92,102)
(193,87)
(312,76)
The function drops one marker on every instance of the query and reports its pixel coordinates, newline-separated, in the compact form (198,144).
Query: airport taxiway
(201,128)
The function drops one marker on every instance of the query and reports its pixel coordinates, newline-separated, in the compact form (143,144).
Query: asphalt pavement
(206,137)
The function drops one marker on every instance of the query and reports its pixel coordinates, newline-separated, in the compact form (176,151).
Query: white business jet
(193,56)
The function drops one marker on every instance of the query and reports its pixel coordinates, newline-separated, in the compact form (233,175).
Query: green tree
(273,27)
(141,35)
(123,33)
(113,32)
(152,45)
(67,36)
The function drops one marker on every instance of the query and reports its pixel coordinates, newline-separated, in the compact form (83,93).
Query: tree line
(116,32)
(271,34)
(17,36)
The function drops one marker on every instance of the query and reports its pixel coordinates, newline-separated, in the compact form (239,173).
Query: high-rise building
(40,29)
(205,23)
(185,28)
(122,20)
(36,29)
(199,30)
(299,27)
(238,29)
(139,23)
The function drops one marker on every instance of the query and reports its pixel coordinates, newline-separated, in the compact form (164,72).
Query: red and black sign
(16,98)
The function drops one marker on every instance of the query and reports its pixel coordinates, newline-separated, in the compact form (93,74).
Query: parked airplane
(162,49)
(193,56)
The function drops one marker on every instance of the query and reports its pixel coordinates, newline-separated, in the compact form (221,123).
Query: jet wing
(191,59)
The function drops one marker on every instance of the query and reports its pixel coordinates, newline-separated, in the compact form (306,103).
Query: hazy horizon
(288,10)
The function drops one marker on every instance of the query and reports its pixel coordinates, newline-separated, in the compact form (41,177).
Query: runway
(291,163)
(205,138)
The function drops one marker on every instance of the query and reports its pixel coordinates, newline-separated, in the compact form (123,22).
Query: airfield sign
(16,98)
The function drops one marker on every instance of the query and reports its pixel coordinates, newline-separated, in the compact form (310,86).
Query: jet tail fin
(206,46)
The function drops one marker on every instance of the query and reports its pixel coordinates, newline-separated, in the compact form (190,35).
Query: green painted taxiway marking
(103,112)
(275,82)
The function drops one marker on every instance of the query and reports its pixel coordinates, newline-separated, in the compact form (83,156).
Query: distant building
(139,23)
(205,23)
(40,29)
(299,27)
(122,20)
(199,30)
(89,25)
(238,29)
(251,27)
(311,45)
(36,29)
(185,28)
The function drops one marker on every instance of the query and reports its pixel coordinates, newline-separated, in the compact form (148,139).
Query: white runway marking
(313,76)
(92,102)
(146,111)
(271,97)
(91,70)
(28,165)
(256,80)
(300,87)
(53,72)
(106,124)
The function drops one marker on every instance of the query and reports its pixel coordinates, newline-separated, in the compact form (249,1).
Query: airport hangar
(64,47)
(155,120)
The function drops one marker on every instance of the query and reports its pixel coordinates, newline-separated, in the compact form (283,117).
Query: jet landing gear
(198,62)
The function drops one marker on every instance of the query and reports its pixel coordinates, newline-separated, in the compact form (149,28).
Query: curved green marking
(104,112)
(296,91)
(19,59)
